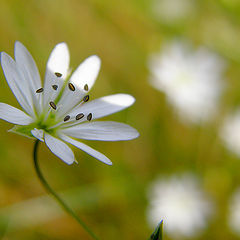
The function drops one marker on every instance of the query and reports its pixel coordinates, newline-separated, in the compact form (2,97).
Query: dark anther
(55,87)
(66,118)
(86,87)
(58,74)
(53,105)
(79,116)
(39,90)
(71,87)
(89,117)
(86,98)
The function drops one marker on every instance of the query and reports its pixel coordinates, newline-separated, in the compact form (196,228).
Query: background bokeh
(113,199)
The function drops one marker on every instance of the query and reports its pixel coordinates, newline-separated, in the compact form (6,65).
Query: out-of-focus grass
(123,33)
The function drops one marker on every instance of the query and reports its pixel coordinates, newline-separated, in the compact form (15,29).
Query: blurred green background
(112,199)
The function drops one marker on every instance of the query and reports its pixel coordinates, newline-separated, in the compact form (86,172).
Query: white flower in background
(229,132)
(59,111)
(171,11)
(234,213)
(182,205)
(192,80)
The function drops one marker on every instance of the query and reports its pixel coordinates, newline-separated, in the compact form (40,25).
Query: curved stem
(57,198)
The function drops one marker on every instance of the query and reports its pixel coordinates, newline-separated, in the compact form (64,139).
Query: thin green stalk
(57,198)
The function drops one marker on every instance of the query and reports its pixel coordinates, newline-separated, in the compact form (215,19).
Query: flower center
(49,121)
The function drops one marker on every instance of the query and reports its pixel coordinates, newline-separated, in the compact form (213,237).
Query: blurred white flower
(234,212)
(230,132)
(192,80)
(171,11)
(181,204)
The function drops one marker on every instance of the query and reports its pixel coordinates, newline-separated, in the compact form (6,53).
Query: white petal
(58,62)
(59,148)
(104,131)
(14,115)
(101,157)
(17,84)
(38,133)
(104,106)
(28,67)
(86,73)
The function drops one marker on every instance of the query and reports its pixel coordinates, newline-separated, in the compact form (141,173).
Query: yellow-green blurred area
(112,200)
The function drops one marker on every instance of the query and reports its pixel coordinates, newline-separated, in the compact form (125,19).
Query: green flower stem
(57,198)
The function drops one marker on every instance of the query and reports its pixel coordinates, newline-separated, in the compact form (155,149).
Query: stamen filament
(63,123)
(47,114)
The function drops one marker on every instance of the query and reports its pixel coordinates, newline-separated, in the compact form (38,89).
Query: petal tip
(137,134)
(134,134)
(125,99)
(17,43)
(131,100)
(70,163)
(96,59)
(109,163)
(6,61)
(59,148)
(19,48)
(62,45)
(3,56)
(106,161)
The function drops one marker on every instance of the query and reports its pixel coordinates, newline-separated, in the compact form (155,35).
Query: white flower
(59,111)
(229,132)
(181,204)
(191,80)
(234,213)
(171,11)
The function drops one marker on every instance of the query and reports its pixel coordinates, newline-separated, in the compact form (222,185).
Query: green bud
(157,234)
